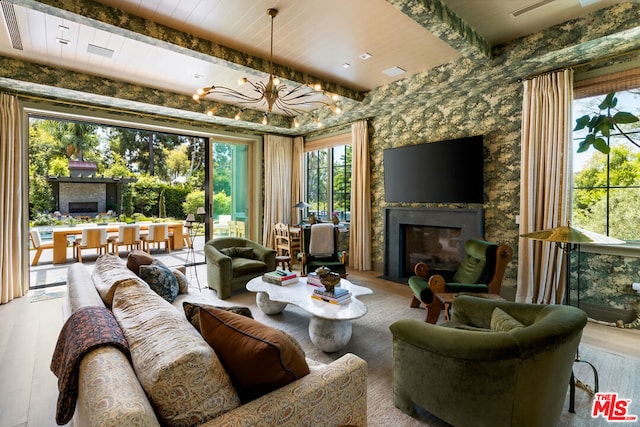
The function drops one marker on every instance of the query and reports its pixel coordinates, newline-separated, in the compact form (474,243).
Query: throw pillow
(503,322)
(137,258)
(192,311)
(258,358)
(183,282)
(161,280)
(238,252)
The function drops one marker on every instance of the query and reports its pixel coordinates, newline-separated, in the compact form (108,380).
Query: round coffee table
(330,324)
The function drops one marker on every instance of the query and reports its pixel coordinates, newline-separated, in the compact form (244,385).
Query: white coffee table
(330,324)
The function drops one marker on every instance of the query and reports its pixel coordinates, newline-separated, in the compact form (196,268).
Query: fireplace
(435,236)
(83,207)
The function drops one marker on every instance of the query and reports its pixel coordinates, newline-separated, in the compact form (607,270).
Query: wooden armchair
(481,271)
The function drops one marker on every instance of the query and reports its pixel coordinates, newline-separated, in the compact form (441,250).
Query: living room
(472,95)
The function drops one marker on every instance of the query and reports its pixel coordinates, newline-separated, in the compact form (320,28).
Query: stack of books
(280,277)
(338,296)
(314,280)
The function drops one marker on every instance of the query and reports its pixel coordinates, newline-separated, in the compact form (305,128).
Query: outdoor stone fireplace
(435,236)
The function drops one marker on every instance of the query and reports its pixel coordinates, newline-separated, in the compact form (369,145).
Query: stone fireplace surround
(469,221)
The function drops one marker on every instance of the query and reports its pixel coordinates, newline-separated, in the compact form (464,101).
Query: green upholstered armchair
(233,261)
(469,374)
(481,271)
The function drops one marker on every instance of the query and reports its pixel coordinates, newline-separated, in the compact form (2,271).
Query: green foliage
(221,204)
(59,167)
(162,208)
(601,124)
(145,194)
(193,201)
(175,197)
(40,198)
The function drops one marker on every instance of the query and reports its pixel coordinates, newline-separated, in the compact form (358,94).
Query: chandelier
(291,101)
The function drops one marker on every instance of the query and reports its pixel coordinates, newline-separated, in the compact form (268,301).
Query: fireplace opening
(438,247)
(83,207)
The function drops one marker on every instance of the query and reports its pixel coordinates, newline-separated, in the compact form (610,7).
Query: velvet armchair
(233,261)
(480,369)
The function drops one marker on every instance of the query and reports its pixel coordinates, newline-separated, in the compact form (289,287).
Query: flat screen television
(436,172)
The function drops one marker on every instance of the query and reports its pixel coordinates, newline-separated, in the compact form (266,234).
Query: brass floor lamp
(568,239)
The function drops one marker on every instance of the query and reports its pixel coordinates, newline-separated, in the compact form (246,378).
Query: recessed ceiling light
(394,71)
(585,3)
(197,76)
(63,27)
(529,8)
(99,50)
(365,56)
(62,40)
(346,65)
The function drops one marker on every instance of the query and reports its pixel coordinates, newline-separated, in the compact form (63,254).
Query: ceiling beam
(97,15)
(442,22)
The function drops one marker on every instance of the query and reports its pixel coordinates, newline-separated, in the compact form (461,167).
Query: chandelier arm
(232,92)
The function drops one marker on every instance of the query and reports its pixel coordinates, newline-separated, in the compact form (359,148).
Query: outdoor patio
(47,274)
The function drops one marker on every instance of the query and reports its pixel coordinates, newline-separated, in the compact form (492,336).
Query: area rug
(372,341)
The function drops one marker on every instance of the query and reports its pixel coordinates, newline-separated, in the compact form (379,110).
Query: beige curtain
(360,228)
(545,184)
(278,159)
(12,259)
(297,178)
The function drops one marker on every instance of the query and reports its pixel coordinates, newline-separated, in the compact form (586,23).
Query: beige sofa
(111,393)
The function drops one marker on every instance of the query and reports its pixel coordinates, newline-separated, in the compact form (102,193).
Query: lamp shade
(301,205)
(191,218)
(201,211)
(570,234)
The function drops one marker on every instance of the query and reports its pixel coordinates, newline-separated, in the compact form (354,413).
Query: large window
(606,187)
(328,181)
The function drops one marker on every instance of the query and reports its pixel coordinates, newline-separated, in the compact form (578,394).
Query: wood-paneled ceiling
(312,39)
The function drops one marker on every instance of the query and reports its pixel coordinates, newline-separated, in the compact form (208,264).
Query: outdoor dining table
(61,241)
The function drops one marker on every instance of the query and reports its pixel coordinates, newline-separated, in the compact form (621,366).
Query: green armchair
(233,261)
(474,371)
(481,271)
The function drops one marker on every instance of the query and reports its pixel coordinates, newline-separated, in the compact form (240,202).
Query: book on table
(314,280)
(280,277)
(338,296)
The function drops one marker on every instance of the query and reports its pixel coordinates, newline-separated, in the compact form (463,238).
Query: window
(606,188)
(328,178)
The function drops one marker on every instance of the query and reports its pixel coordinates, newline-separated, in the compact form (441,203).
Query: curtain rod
(580,64)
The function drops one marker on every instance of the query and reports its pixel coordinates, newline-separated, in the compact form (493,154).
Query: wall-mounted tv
(436,172)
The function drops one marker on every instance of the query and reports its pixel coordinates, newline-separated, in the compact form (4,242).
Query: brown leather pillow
(258,358)
(137,258)
(192,311)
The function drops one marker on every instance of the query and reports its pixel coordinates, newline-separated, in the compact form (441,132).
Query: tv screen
(437,172)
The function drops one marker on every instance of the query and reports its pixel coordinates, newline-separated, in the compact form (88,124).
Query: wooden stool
(285,261)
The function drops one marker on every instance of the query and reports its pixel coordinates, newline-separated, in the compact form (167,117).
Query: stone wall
(75,192)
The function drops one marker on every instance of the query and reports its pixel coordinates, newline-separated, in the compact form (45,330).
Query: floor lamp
(568,239)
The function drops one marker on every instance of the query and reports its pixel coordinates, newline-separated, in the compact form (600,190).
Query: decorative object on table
(328,278)
(334,219)
(568,239)
(280,277)
(312,219)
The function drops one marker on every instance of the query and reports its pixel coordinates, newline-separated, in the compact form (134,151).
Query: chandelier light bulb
(264,120)
(196,97)
(242,81)
(334,96)
(276,81)
(239,115)
(317,87)
(209,113)
(296,123)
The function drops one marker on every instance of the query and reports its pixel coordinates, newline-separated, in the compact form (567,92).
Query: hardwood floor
(28,389)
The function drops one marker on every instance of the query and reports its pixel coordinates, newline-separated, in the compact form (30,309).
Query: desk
(61,241)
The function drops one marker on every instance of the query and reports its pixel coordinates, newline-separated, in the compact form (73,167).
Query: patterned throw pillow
(258,358)
(192,311)
(161,280)
(183,282)
(503,322)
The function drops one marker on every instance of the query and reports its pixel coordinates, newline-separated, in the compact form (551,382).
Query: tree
(193,201)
